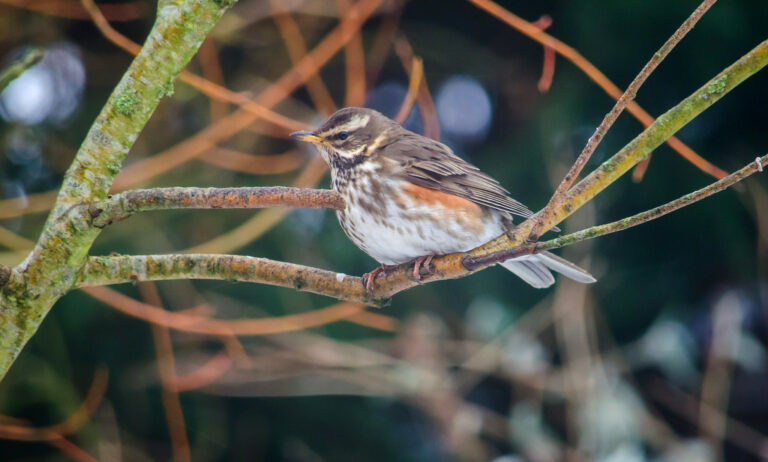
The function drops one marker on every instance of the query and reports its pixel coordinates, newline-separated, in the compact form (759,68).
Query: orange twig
(355,63)
(206,139)
(417,72)
(31,203)
(264,220)
(598,77)
(208,326)
(297,49)
(252,163)
(424,99)
(548,63)
(208,56)
(627,96)
(375,321)
(69,425)
(166,368)
(205,86)
(205,375)
(71,9)
(382,42)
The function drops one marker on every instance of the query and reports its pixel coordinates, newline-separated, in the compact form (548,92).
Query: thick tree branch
(623,101)
(120,269)
(121,206)
(54,265)
(123,268)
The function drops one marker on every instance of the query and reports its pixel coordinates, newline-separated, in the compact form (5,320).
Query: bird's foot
(369,279)
(420,262)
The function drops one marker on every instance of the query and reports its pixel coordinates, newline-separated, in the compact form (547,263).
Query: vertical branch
(54,264)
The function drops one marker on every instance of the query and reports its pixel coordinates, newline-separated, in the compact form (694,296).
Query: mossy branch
(54,265)
(121,206)
(30,57)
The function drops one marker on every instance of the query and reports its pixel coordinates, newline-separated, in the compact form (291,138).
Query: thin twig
(166,369)
(629,94)
(424,99)
(619,225)
(414,83)
(569,53)
(201,324)
(30,57)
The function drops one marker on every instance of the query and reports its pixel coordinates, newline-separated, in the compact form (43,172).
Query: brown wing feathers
(433,165)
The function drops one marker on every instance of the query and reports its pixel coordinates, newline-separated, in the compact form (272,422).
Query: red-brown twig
(207,326)
(548,63)
(414,83)
(424,99)
(166,368)
(598,77)
(297,49)
(624,100)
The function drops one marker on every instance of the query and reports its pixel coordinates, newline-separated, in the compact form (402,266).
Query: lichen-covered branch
(121,206)
(451,266)
(54,265)
(757,165)
(627,97)
(125,268)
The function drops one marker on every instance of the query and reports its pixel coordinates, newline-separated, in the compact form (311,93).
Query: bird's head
(349,137)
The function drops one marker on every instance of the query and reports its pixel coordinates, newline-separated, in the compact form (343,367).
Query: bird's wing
(431,164)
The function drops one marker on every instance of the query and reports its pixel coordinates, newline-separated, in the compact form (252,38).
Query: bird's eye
(342,136)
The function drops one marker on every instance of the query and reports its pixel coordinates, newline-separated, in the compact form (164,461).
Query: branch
(569,53)
(120,269)
(30,57)
(757,165)
(628,95)
(121,206)
(53,267)
(100,271)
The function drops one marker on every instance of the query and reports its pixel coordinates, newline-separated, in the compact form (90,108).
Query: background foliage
(643,365)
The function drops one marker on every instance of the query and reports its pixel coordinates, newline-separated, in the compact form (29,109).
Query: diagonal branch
(534,33)
(623,101)
(52,268)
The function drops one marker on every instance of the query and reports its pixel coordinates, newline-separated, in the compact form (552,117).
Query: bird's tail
(535,269)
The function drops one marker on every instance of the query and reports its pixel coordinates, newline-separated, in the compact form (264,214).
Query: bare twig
(219,327)
(626,97)
(414,83)
(569,53)
(166,369)
(424,98)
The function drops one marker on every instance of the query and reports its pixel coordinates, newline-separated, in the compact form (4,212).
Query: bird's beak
(309,137)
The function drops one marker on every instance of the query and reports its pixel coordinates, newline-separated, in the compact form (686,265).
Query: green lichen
(224,3)
(719,85)
(126,103)
(166,90)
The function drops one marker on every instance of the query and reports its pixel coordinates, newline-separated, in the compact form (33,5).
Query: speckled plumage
(408,196)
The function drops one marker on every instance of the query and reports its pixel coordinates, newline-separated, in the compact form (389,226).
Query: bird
(410,198)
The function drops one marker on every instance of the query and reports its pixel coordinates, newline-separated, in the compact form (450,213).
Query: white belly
(395,233)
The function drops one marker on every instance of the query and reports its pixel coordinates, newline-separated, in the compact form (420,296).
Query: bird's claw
(420,262)
(369,279)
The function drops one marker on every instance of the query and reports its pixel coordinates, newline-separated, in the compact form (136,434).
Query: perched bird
(409,197)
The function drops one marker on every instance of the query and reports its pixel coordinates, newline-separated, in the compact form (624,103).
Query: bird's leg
(369,279)
(424,261)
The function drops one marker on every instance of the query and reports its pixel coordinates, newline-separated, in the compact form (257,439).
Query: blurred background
(663,359)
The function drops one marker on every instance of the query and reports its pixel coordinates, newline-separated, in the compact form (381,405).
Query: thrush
(409,198)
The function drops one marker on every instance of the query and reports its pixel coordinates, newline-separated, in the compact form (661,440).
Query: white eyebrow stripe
(352,124)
